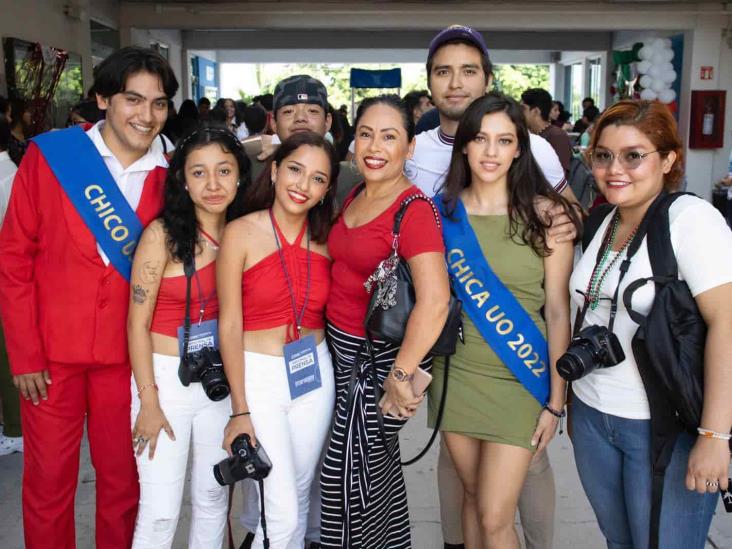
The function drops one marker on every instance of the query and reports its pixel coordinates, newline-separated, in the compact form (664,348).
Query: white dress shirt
(130,180)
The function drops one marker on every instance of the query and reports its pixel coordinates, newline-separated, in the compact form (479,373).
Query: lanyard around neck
(293,301)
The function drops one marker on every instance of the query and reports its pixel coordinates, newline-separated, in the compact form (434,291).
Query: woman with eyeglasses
(636,155)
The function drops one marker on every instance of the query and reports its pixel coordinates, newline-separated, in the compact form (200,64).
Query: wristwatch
(401,375)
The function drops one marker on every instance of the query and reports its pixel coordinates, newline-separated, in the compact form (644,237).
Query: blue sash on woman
(501,320)
(85,179)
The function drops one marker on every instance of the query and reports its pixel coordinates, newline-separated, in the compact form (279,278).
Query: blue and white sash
(92,190)
(501,320)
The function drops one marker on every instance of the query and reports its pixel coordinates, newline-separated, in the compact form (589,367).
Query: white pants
(196,421)
(293,433)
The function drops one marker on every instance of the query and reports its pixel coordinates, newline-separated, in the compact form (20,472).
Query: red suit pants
(52,434)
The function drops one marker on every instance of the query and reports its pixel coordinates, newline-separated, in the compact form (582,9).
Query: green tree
(513,80)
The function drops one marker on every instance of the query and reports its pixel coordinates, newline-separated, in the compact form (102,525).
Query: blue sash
(499,317)
(92,190)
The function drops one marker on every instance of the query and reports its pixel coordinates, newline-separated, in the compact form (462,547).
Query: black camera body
(205,366)
(593,347)
(246,461)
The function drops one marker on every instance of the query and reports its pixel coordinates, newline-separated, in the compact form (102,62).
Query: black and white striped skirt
(364,498)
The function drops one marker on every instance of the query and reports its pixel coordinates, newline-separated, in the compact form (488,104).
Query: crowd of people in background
(195,282)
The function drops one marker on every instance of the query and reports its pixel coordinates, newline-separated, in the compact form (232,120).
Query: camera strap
(189,268)
(624,266)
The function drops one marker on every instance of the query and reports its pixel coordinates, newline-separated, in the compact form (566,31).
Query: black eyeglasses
(602,158)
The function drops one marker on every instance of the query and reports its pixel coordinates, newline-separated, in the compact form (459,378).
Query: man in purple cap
(459,71)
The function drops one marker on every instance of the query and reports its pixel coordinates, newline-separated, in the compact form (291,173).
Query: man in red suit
(63,304)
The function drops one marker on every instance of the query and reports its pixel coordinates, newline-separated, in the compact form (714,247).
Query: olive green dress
(484,399)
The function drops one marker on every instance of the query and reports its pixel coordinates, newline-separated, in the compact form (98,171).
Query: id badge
(205,334)
(301,365)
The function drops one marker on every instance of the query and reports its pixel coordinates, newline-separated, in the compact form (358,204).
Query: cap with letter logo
(300,88)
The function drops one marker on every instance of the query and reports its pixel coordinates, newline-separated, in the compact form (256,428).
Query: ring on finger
(712,483)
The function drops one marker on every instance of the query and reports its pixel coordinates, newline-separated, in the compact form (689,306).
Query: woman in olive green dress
(496,419)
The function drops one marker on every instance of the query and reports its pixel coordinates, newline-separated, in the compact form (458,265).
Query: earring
(186,188)
(322,200)
(273,182)
(237,184)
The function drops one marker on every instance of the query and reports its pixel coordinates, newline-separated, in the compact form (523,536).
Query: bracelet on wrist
(708,433)
(141,388)
(232,416)
(556,413)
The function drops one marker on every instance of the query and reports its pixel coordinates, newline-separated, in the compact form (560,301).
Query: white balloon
(658,85)
(669,54)
(644,53)
(658,44)
(667,96)
(667,43)
(646,81)
(644,67)
(648,95)
(669,76)
(666,67)
(657,58)
(655,71)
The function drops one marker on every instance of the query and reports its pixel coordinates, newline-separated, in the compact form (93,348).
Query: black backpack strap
(593,222)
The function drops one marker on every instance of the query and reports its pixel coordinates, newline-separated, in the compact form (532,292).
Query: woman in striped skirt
(364,501)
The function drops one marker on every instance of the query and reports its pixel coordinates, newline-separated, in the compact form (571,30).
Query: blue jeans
(613,457)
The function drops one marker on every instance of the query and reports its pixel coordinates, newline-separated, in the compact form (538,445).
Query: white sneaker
(10,445)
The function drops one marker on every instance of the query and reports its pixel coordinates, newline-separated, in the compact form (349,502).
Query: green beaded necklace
(598,273)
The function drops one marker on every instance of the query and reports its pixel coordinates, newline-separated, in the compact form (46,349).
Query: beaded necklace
(592,295)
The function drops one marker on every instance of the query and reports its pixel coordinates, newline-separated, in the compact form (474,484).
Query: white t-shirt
(428,167)
(130,180)
(702,242)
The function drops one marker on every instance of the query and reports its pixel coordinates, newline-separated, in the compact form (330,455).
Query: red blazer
(58,301)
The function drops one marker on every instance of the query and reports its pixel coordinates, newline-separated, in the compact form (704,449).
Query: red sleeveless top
(170,308)
(266,301)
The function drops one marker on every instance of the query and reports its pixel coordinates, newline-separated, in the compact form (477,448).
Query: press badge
(301,364)
(205,334)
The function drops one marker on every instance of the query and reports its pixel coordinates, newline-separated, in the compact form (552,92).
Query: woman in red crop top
(364,500)
(206,180)
(273,280)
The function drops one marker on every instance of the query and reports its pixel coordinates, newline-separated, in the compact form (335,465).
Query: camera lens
(570,367)
(222,473)
(214,383)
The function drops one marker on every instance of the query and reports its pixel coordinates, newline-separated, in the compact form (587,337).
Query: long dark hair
(261,194)
(179,213)
(525,179)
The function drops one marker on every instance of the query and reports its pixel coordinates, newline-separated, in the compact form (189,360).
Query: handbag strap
(399,216)
(380,416)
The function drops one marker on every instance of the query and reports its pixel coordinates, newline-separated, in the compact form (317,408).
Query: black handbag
(392,301)
(393,297)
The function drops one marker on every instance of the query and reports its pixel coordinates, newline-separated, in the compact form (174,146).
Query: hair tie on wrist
(232,416)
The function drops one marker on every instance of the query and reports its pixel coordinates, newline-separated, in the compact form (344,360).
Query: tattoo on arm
(150,272)
(139,294)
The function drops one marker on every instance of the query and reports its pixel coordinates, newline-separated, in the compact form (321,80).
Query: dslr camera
(593,347)
(205,366)
(246,461)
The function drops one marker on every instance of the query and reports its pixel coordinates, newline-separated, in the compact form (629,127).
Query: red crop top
(357,251)
(170,308)
(265,295)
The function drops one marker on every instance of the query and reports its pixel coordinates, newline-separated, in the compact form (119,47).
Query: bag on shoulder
(393,296)
(582,182)
(669,343)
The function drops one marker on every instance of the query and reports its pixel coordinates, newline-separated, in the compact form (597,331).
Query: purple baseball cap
(458,32)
